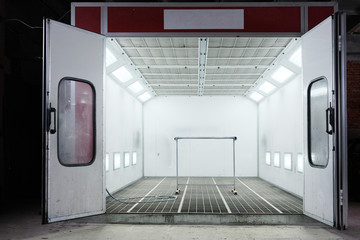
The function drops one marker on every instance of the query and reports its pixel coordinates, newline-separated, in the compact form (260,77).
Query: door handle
(52,111)
(330,120)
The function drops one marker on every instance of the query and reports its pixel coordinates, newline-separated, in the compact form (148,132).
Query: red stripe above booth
(254,19)
(88,18)
(111,19)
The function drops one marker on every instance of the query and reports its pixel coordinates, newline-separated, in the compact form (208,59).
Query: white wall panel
(281,130)
(123,134)
(176,116)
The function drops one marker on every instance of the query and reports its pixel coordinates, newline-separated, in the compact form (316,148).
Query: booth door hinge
(341,198)
(339,43)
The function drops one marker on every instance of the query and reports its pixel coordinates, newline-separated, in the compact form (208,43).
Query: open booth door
(73,177)
(323,199)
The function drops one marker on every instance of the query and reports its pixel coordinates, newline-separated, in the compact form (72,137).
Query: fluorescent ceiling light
(110,58)
(282,74)
(122,74)
(256,96)
(296,57)
(145,96)
(266,87)
(136,87)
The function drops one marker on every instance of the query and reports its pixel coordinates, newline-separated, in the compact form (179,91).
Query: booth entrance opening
(117,103)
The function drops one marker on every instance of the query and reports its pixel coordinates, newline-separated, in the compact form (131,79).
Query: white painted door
(73,89)
(318,75)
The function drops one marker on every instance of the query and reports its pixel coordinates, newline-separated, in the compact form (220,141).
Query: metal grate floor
(205,196)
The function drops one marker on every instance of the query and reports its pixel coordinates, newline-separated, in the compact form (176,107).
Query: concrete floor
(24,223)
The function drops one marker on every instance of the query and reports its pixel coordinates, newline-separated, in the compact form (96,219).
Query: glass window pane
(317,137)
(107,161)
(126,159)
(288,161)
(76,112)
(117,160)
(134,158)
(277,159)
(268,158)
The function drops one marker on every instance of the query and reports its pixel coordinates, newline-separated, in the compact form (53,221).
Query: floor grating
(202,195)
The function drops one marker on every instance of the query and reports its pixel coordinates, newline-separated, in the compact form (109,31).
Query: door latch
(51,111)
(330,120)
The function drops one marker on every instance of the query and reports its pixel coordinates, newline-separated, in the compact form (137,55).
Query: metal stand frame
(177,158)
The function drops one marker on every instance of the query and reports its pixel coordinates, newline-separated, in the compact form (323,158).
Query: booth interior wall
(217,116)
(281,131)
(124,134)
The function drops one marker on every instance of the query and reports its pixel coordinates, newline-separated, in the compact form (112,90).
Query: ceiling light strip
(277,60)
(132,64)
(203,47)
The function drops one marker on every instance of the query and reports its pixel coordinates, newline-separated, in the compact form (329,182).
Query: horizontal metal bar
(195,48)
(179,79)
(207,67)
(199,184)
(176,90)
(229,80)
(177,138)
(239,58)
(244,48)
(168,66)
(193,58)
(160,48)
(164,58)
(161,74)
(227,74)
(234,94)
(195,84)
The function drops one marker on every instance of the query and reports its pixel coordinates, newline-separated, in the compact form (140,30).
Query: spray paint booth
(198,101)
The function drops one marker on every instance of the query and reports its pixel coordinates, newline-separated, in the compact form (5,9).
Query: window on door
(76,122)
(318,138)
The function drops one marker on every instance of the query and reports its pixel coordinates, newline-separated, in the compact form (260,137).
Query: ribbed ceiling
(202,66)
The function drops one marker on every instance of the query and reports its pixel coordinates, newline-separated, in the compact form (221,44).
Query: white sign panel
(204,19)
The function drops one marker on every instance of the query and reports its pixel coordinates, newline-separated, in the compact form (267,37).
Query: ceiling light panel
(110,57)
(296,58)
(256,96)
(145,96)
(135,87)
(282,74)
(267,87)
(122,74)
